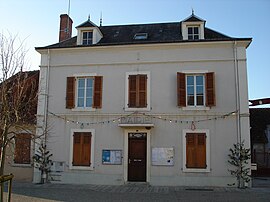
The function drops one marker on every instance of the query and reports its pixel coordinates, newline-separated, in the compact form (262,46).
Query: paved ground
(58,192)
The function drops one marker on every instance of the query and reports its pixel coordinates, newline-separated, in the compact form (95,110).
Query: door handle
(128,161)
(139,160)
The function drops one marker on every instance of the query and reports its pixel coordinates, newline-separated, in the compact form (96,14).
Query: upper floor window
(193,33)
(87,38)
(84,92)
(137,91)
(196,89)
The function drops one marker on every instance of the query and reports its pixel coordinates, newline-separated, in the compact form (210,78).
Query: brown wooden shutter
(22,148)
(70,93)
(142,91)
(201,150)
(82,149)
(181,89)
(190,150)
(132,90)
(210,89)
(76,149)
(97,97)
(196,150)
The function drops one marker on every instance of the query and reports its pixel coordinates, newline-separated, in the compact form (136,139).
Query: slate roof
(157,33)
(87,23)
(259,119)
(193,18)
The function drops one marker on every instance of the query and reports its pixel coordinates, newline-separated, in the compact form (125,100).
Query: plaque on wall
(162,156)
(112,157)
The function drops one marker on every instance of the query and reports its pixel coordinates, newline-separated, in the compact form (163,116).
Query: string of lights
(137,114)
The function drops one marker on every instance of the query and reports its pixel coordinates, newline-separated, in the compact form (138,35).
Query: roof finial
(89,17)
(100,22)
(192,10)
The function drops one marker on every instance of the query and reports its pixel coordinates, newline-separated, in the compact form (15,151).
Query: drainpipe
(46,97)
(237,93)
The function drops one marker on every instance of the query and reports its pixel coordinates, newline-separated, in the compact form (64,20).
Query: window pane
(196,36)
(190,90)
(89,82)
(89,102)
(90,35)
(84,35)
(199,80)
(190,31)
(190,100)
(81,83)
(199,90)
(196,30)
(190,80)
(89,92)
(80,93)
(80,102)
(200,100)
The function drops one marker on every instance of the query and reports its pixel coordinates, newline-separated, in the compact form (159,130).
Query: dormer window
(87,38)
(193,33)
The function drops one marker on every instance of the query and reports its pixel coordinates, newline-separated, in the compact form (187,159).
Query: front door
(137,157)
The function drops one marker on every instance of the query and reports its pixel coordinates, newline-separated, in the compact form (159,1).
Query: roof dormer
(193,28)
(88,33)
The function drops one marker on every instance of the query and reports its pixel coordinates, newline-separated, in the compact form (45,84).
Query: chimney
(65,31)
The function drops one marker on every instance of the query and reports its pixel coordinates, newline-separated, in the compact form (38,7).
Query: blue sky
(37,21)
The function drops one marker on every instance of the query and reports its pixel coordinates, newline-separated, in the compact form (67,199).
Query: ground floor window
(82,149)
(196,150)
(22,148)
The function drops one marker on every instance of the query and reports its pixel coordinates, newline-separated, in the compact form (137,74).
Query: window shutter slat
(142,91)
(190,151)
(86,150)
(82,149)
(98,92)
(132,90)
(210,89)
(181,89)
(70,93)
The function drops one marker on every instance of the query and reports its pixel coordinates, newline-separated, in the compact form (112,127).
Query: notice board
(163,156)
(112,157)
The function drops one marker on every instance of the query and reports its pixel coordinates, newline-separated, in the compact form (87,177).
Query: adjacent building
(156,103)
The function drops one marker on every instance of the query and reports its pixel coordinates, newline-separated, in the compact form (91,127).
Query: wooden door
(137,157)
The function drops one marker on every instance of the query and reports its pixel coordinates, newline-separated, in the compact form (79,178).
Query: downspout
(237,94)
(46,97)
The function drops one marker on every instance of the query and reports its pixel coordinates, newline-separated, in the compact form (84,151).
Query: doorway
(137,153)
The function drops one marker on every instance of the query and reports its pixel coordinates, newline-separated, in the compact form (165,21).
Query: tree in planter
(42,161)
(239,157)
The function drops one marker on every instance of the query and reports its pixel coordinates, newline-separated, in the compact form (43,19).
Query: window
(82,149)
(87,38)
(84,92)
(137,91)
(193,33)
(140,36)
(196,90)
(196,150)
(22,148)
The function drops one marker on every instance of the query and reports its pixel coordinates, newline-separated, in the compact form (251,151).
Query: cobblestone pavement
(59,192)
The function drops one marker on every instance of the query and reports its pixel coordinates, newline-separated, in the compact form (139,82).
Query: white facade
(167,123)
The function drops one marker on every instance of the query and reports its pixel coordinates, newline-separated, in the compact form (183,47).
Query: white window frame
(195,90)
(147,108)
(193,35)
(195,170)
(91,167)
(77,76)
(87,39)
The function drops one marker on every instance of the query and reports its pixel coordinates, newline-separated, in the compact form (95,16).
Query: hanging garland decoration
(118,119)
